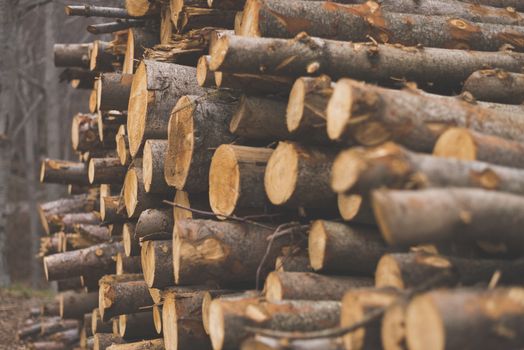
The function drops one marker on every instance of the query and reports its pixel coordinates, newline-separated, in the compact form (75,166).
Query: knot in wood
(99,252)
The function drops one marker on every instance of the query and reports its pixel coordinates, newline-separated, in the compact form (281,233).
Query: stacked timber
(269,174)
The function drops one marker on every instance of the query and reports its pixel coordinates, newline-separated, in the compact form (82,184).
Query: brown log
(467,144)
(48,345)
(236,180)
(182,320)
(102,341)
(131,245)
(121,298)
(209,296)
(436,215)
(157,264)
(358,22)
(195,201)
(254,84)
(113,91)
(68,337)
(98,258)
(72,55)
(192,134)
(429,116)
(138,39)
(513,4)
(152,99)
(80,78)
(84,133)
(101,58)
(153,167)
(108,125)
(220,260)
(137,326)
(111,210)
(299,176)
(85,329)
(226,4)
(332,248)
(63,172)
(190,18)
(76,304)
(356,305)
(74,189)
(99,326)
(228,318)
(94,233)
(293,260)
(355,208)
(136,198)
(154,344)
(205,77)
(470,311)
(127,264)
(28,331)
(106,171)
(495,85)
(362,171)
(153,221)
(310,286)
(49,245)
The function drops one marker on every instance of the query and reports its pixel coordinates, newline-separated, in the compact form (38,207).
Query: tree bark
(112,211)
(154,344)
(114,90)
(96,11)
(295,260)
(127,264)
(310,286)
(195,201)
(63,172)
(467,144)
(52,212)
(138,39)
(236,180)
(136,198)
(515,4)
(154,221)
(197,125)
(137,326)
(75,304)
(254,84)
(436,215)
(153,167)
(102,341)
(99,326)
(157,264)
(48,345)
(93,233)
(496,86)
(156,88)
(106,171)
(84,133)
(121,298)
(72,55)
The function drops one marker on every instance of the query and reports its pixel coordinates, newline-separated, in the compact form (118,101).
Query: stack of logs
(292,174)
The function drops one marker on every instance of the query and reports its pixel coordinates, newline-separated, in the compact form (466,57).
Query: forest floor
(15,305)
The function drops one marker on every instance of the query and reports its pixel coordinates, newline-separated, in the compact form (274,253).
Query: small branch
(97,11)
(111,27)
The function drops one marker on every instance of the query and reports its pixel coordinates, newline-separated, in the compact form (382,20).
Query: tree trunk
(127,264)
(236,180)
(198,125)
(136,198)
(98,258)
(112,211)
(72,55)
(68,221)
(156,88)
(106,171)
(436,215)
(153,167)
(121,298)
(157,263)
(310,286)
(496,86)
(137,326)
(102,341)
(63,172)
(467,144)
(84,133)
(154,221)
(114,90)
(76,304)
(154,344)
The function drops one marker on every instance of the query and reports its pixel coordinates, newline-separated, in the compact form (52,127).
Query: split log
(220,260)
(356,305)
(72,55)
(195,201)
(113,91)
(138,39)
(137,326)
(153,221)
(355,208)
(228,318)
(104,340)
(98,325)
(362,61)
(436,215)
(332,248)
(156,88)
(182,320)
(73,305)
(131,245)
(106,171)
(359,22)
(310,286)
(122,298)
(362,171)
(157,263)
(63,172)
(154,344)
(153,167)
(470,145)
(136,198)
(190,18)
(205,77)
(254,84)
(127,264)
(236,180)
(98,258)
(299,176)
(388,111)
(122,146)
(196,126)
(470,311)
(101,58)
(111,210)
(84,133)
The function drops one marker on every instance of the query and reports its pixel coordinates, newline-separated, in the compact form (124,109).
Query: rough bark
(436,215)
(99,326)
(157,264)
(106,171)
(467,144)
(514,4)
(137,326)
(121,298)
(254,84)
(496,86)
(93,233)
(196,201)
(154,344)
(190,18)
(236,180)
(96,11)
(73,305)
(111,210)
(226,4)
(63,172)
(72,55)
(295,260)
(197,125)
(154,221)
(102,341)
(153,167)
(156,88)
(136,198)
(268,343)
(51,213)
(310,286)
(113,91)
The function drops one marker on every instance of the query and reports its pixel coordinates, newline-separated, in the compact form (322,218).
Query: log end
(129,56)
(281,173)
(182,139)
(148,264)
(317,241)
(131,191)
(349,205)
(216,325)
(91,171)
(456,143)
(93,56)
(218,53)
(381,205)
(137,109)
(46,268)
(224,181)
(147,166)
(92,98)
(388,273)
(426,328)
(339,109)
(128,234)
(206,303)
(205,77)
(122,321)
(295,106)
(138,8)
(182,198)
(393,329)
(121,146)
(169,321)
(346,169)
(273,287)
(250,19)
(157,318)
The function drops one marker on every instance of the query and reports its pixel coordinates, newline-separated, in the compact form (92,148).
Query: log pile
(270,174)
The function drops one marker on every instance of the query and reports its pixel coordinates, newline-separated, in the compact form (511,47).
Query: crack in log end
(512,37)
(293,25)
(462,32)
(487,178)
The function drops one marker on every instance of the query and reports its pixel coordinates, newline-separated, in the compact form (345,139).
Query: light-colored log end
(131,191)
(137,109)
(273,287)
(216,325)
(346,169)
(349,205)
(224,181)
(456,143)
(388,273)
(425,326)
(157,317)
(281,173)
(317,244)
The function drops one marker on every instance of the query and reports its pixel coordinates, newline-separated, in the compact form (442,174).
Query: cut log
(122,146)
(190,18)
(157,264)
(495,85)
(113,91)
(108,125)
(182,320)
(122,298)
(205,77)
(154,344)
(268,343)
(355,208)
(96,11)
(51,212)
(106,171)
(50,309)
(98,258)
(28,331)
(112,210)
(68,221)
(131,245)
(228,318)
(436,215)
(93,233)
(197,125)
(102,58)
(48,345)
(332,248)
(254,84)
(118,25)
(153,167)
(393,329)
(203,253)
(137,326)
(362,61)
(153,221)
(136,198)
(84,133)
(209,296)
(470,311)
(470,145)
(310,286)
(127,264)
(86,331)
(194,201)
(63,172)
(294,260)
(359,22)
(73,305)
(356,305)
(389,111)
(236,180)
(299,176)
(99,326)
(73,283)
(72,55)
(138,39)
(156,88)
(104,340)
(51,326)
